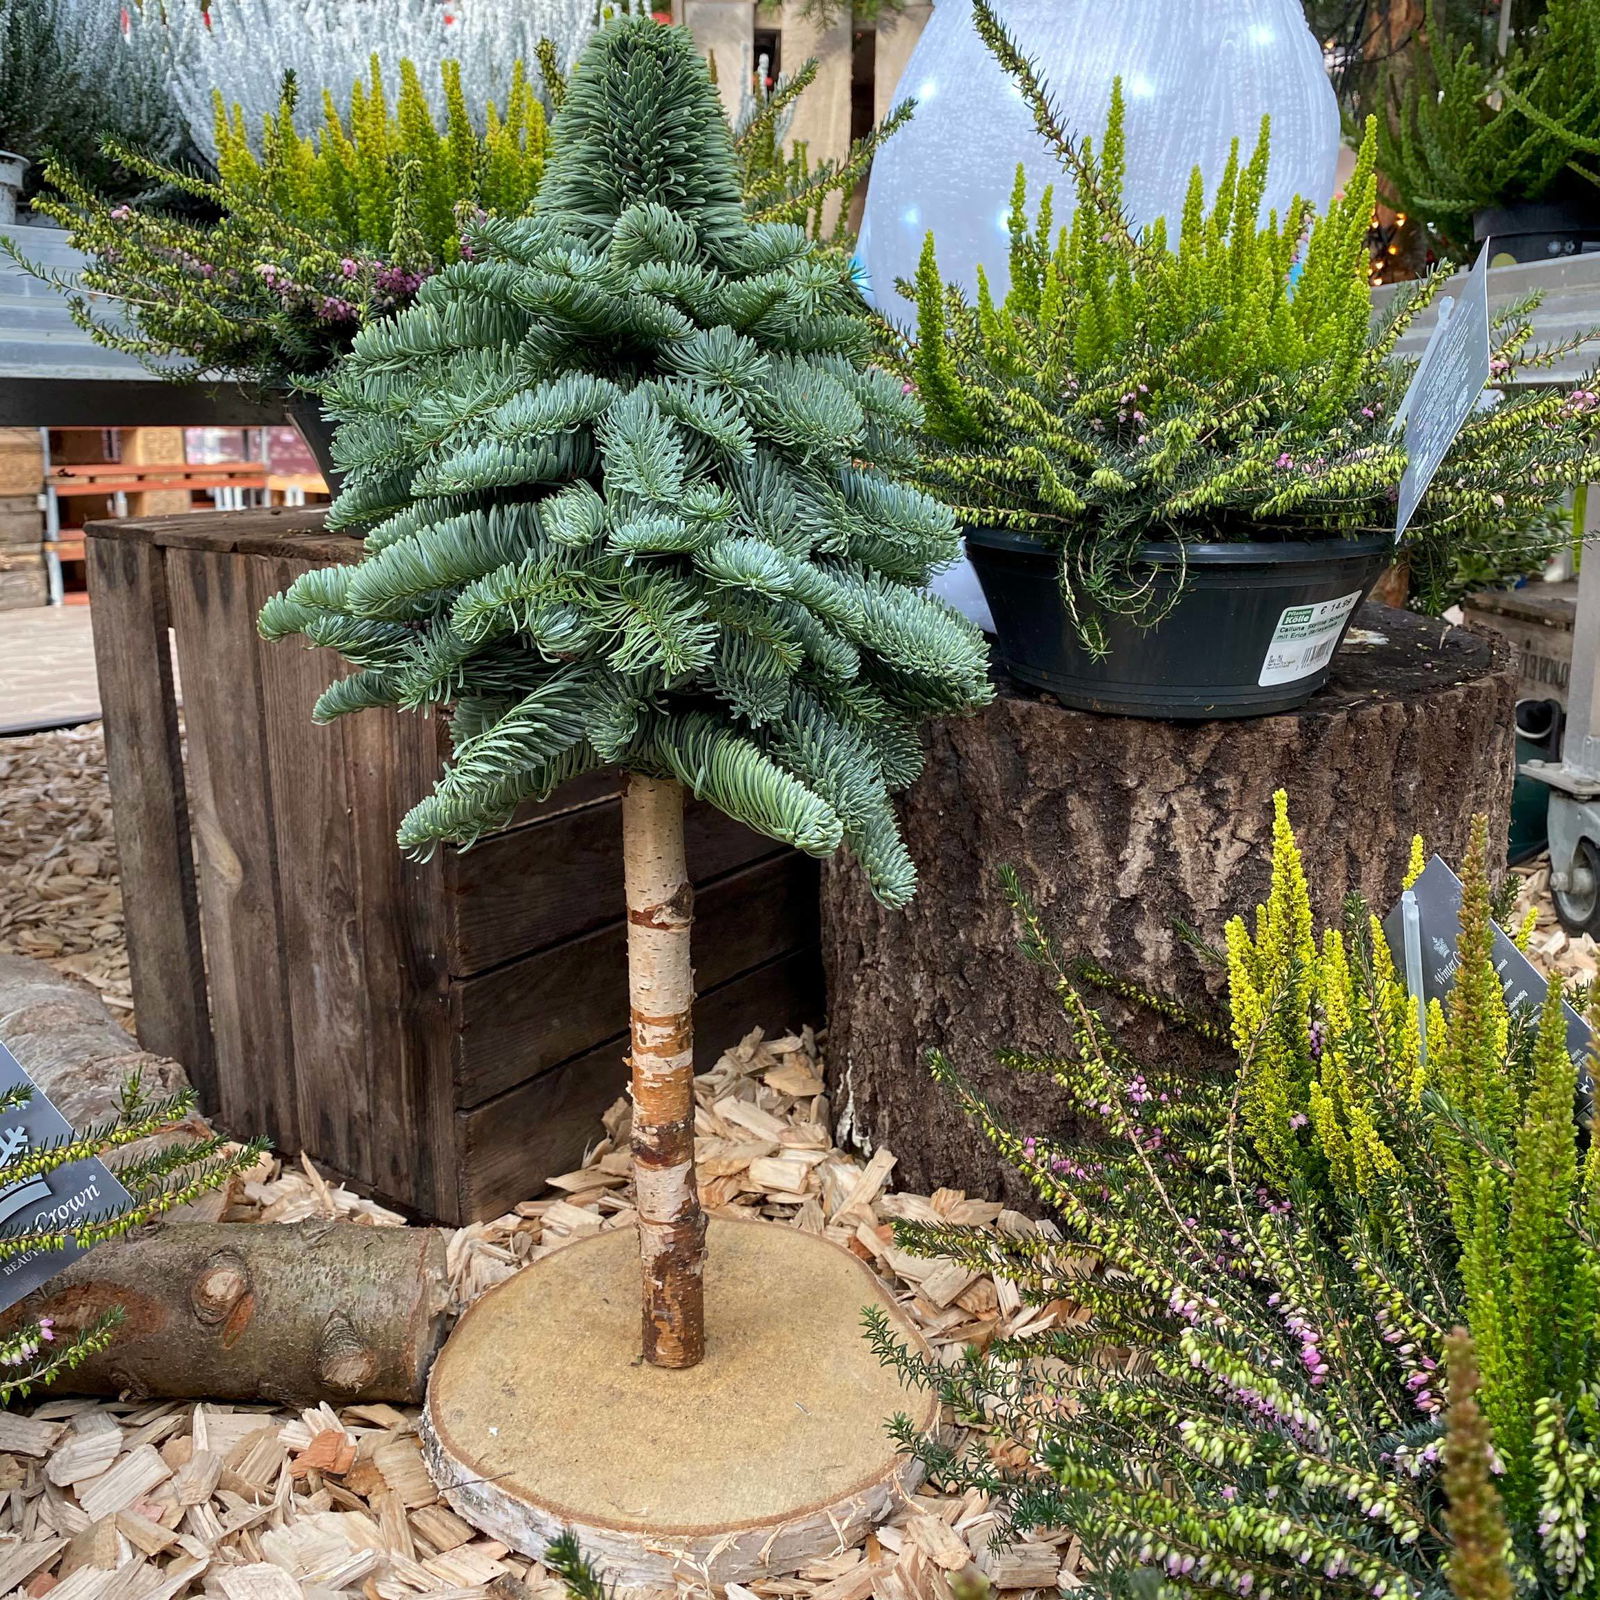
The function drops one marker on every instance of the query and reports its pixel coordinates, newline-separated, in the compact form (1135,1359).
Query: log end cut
(771,1452)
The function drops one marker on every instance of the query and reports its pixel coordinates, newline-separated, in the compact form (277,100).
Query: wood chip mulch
(59,899)
(1552,948)
(128,1500)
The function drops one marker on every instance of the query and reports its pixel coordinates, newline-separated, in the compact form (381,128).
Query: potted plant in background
(1497,135)
(1170,446)
(314,235)
(69,75)
(319,234)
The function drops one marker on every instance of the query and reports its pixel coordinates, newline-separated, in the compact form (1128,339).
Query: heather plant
(319,234)
(313,236)
(1268,1262)
(1218,379)
(243,50)
(1474,129)
(157,1179)
(69,77)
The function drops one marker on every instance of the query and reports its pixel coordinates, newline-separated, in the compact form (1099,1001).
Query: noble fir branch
(565,1558)
(629,487)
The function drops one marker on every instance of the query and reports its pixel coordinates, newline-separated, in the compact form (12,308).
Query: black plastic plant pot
(306,412)
(1538,231)
(1252,630)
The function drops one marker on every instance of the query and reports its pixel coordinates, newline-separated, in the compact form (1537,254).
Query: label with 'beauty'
(1304,639)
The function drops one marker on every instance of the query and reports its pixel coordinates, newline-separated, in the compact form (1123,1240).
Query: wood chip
(440,1527)
(84,1455)
(400,1462)
(134,1475)
(332,1450)
(196,1480)
(25,1437)
(1021,1566)
(99,1546)
(942,1545)
(259,1580)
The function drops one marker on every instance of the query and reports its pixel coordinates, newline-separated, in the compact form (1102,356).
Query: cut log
(290,1313)
(69,1044)
(1124,831)
(66,1040)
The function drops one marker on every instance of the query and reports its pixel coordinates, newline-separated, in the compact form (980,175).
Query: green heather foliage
(1269,1261)
(157,1180)
(1478,1565)
(317,236)
(628,486)
(314,235)
(1216,380)
(1474,130)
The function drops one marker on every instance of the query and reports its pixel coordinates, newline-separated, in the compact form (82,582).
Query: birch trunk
(672,1227)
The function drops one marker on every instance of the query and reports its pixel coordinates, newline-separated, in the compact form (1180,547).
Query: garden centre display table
(1128,832)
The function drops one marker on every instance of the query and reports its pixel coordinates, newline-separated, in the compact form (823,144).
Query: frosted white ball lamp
(1196,75)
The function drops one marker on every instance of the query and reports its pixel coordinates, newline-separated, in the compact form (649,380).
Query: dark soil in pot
(1253,629)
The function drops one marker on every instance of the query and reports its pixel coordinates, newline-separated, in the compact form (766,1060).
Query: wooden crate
(443,1034)
(22,576)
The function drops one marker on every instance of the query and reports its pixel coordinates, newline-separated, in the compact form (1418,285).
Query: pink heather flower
(1298,1120)
(1286,460)
(1229,1493)
(349,267)
(1499,364)
(47,1327)
(122,213)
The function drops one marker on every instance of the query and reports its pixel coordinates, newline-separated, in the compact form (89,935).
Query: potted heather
(316,235)
(1173,449)
(1496,132)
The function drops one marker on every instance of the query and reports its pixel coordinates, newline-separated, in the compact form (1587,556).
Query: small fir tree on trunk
(629,491)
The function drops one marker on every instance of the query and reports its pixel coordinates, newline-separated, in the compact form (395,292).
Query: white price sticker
(1304,639)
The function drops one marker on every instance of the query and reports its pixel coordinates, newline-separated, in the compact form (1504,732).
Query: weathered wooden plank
(235,842)
(150,809)
(224,530)
(315,816)
(511,1144)
(531,1014)
(562,876)
(410,1133)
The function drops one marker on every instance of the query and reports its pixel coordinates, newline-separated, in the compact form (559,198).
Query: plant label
(1438,901)
(1304,639)
(57,1201)
(1449,380)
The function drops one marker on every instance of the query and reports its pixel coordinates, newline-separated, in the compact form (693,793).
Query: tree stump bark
(1127,832)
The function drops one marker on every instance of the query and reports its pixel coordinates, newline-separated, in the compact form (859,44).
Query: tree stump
(1126,832)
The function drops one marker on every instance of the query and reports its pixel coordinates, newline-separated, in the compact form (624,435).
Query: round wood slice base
(772,1452)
